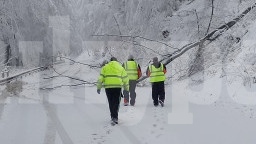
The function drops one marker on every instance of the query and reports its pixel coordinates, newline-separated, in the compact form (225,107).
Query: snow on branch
(219,31)
(91,66)
(134,37)
(71,85)
(85,82)
(209,25)
(210,37)
(136,43)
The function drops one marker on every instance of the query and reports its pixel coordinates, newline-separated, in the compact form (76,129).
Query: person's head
(155,60)
(130,57)
(113,59)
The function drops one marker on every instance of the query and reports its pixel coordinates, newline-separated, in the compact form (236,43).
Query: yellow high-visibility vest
(131,67)
(157,74)
(113,75)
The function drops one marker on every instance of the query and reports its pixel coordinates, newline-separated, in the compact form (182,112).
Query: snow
(79,115)
(213,107)
(242,88)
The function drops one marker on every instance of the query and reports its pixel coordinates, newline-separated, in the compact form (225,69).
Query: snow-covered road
(78,115)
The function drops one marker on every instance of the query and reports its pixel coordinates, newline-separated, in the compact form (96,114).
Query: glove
(98,91)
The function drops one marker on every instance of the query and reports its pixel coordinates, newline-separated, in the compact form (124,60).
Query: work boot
(115,120)
(132,102)
(126,102)
(161,103)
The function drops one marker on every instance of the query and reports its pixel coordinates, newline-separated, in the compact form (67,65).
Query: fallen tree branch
(61,75)
(133,37)
(135,43)
(91,66)
(86,82)
(210,37)
(51,77)
(72,85)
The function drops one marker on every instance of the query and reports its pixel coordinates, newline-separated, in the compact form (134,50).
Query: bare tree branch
(91,66)
(52,77)
(208,28)
(219,31)
(86,82)
(211,37)
(72,85)
(198,27)
(135,43)
(156,41)
(133,37)
(117,25)
(190,2)
(61,75)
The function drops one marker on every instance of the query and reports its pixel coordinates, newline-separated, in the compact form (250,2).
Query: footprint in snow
(100,138)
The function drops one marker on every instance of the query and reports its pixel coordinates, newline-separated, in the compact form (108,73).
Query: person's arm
(164,69)
(139,71)
(100,79)
(125,80)
(148,72)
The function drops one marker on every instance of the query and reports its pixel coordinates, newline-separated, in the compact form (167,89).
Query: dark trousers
(114,97)
(158,92)
(132,87)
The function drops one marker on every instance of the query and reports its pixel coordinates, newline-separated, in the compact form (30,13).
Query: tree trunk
(8,55)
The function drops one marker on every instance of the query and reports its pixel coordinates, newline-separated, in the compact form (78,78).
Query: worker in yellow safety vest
(113,77)
(156,73)
(134,73)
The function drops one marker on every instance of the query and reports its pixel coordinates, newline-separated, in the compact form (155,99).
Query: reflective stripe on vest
(157,74)
(131,69)
(113,75)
